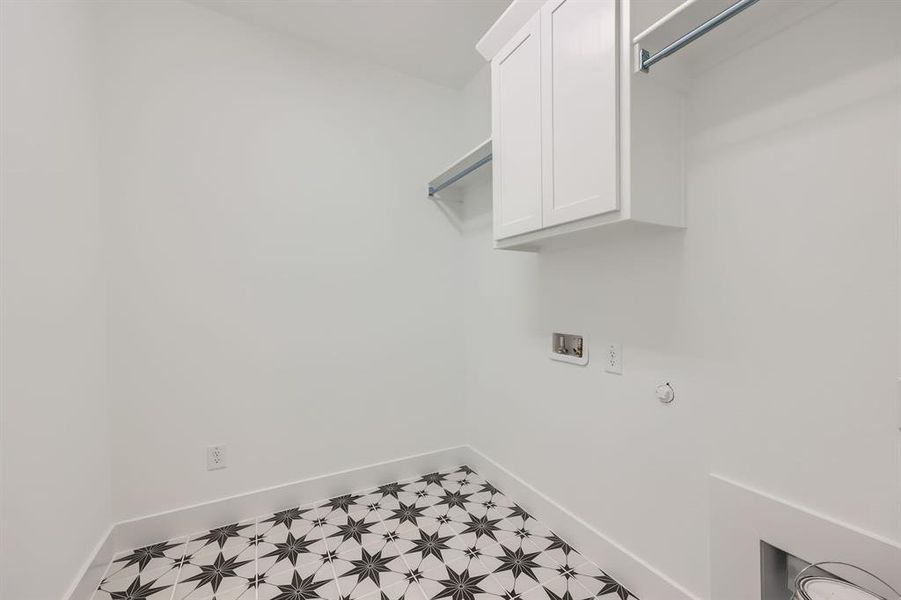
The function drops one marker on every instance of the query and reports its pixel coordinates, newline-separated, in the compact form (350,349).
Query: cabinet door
(580,109)
(516,133)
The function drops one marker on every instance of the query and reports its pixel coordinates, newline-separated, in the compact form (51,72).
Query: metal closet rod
(647,59)
(460,175)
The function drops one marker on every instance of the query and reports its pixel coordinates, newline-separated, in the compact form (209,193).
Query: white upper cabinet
(579,110)
(567,110)
(516,132)
(589,106)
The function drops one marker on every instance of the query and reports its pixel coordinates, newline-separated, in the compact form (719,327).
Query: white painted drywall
(280,282)
(774,315)
(434,41)
(53,405)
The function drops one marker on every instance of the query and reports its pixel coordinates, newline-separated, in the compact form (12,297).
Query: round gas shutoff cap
(665,393)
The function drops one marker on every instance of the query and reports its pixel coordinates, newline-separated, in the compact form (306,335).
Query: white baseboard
(135,533)
(150,529)
(90,574)
(640,577)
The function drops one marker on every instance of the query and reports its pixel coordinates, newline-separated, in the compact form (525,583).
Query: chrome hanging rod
(646,59)
(460,175)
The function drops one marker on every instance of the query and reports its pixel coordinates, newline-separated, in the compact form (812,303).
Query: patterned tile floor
(443,535)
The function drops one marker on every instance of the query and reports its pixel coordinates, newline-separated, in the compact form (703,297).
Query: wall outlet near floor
(216,457)
(613,359)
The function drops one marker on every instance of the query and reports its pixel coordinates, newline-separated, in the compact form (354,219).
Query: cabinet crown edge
(512,20)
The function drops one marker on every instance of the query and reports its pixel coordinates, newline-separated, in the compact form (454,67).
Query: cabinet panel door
(516,133)
(579,70)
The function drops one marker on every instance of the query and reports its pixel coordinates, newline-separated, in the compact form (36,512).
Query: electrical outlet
(613,360)
(216,457)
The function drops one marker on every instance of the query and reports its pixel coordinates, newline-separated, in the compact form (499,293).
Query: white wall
(280,281)
(774,315)
(277,280)
(53,405)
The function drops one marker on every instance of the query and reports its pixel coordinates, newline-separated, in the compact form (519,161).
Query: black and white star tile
(306,582)
(155,559)
(449,534)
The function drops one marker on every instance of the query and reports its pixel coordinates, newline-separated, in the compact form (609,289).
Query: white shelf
(754,25)
(479,158)
(678,21)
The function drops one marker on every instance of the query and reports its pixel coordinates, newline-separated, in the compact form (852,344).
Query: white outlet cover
(216,457)
(613,358)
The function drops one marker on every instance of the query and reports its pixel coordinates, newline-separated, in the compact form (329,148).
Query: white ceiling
(431,39)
